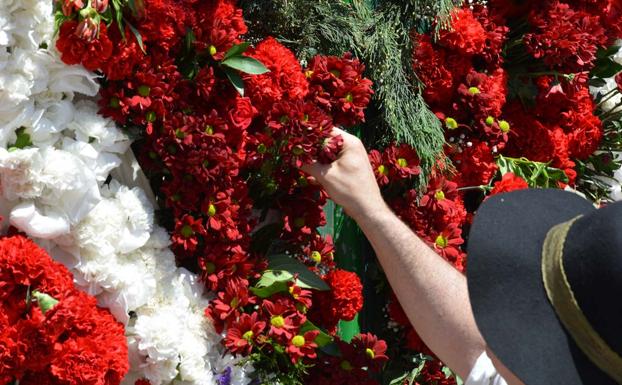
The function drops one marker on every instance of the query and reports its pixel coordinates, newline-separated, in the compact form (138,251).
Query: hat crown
(593,263)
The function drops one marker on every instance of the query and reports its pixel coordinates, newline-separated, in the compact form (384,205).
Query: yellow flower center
(349,98)
(298,341)
(298,150)
(336,73)
(234,302)
(115,102)
(210,267)
(248,335)
(186,231)
(212,50)
(402,162)
(346,365)
(144,90)
(308,74)
(441,241)
(277,321)
(451,123)
(316,256)
(370,353)
(211,210)
(209,130)
(490,120)
(504,126)
(473,90)
(382,170)
(439,195)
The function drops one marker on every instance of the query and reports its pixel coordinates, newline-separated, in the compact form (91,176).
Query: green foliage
(378,33)
(288,265)
(23,139)
(537,174)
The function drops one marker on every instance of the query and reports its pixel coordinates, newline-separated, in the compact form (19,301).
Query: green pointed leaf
(322,339)
(138,37)
(236,80)
(45,301)
(246,64)
(237,50)
(286,263)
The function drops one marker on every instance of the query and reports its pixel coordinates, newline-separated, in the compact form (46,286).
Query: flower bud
(100,5)
(88,29)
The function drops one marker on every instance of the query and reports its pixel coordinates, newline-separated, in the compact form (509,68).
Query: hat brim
(507,295)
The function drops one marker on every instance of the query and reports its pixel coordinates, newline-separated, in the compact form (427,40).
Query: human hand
(349,180)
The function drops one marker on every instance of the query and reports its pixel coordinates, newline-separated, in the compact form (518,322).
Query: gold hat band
(568,310)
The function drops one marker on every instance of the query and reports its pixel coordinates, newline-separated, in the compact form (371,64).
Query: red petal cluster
(71,341)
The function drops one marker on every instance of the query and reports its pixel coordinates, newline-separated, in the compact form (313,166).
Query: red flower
(342,302)
(93,54)
(126,54)
(284,81)
(285,321)
(447,244)
(303,346)
(483,95)
(429,64)
(61,336)
(403,160)
(227,306)
(243,333)
(565,39)
(218,26)
(371,351)
(466,36)
(186,233)
(380,166)
(509,182)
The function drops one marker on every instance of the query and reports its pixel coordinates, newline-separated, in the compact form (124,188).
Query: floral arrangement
(53,333)
(214,266)
(68,182)
(224,127)
(511,85)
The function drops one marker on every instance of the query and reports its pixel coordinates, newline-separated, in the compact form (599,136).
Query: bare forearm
(433,293)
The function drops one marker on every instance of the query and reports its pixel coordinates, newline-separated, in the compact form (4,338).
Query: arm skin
(433,293)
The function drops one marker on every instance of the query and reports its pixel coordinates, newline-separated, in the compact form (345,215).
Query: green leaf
(606,68)
(286,263)
(117,13)
(245,64)
(236,50)
(236,80)
(138,37)
(23,139)
(272,282)
(45,301)
(322,339)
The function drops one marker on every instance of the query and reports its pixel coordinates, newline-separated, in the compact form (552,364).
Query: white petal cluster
(58,187)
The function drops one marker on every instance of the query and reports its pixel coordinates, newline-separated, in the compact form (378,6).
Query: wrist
(368,210)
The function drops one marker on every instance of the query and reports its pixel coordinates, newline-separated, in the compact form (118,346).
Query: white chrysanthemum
(19,173)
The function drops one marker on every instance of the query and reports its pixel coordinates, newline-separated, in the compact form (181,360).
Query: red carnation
(342,302)
(466,36)
(93,53)
(509,182)
(284,81)
(565,39)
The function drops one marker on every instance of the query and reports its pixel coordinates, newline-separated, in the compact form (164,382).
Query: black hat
(540,343)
